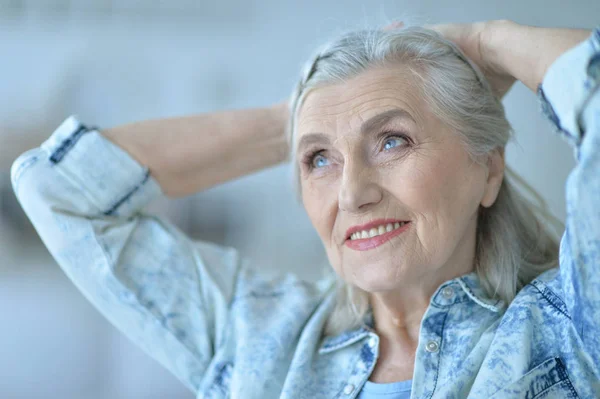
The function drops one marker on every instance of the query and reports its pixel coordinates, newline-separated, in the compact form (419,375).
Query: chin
(378,281)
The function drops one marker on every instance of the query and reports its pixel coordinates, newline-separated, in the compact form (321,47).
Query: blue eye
(391,143)
(319,161)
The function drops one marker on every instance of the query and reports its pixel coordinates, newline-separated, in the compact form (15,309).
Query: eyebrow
(373,123)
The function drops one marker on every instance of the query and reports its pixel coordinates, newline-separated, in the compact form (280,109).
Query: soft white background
(120,61)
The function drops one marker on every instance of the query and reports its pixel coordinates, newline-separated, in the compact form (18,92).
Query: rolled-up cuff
(568,85)
(111,179)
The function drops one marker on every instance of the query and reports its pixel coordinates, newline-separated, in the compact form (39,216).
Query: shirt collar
(471,286)
(466,288)
(348,337)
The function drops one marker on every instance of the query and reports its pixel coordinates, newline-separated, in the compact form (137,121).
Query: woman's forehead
(353,102)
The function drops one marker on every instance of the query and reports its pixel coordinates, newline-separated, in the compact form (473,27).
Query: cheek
(439,187)
(418,185)
(320,203)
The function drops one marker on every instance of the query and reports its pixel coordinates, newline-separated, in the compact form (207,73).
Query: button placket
(363,367)
(430,344)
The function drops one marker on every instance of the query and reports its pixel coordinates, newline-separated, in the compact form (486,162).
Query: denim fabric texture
(226,331)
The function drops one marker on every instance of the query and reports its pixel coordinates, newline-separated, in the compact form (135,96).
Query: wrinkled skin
(427,178)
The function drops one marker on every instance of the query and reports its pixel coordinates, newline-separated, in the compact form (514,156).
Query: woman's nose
(358,188)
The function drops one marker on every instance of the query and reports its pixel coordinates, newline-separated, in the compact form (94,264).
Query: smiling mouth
(376,231)
(375,236)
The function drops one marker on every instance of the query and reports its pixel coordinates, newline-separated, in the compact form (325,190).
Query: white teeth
(376,231)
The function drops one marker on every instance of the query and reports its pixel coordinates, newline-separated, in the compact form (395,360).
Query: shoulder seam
(552,298)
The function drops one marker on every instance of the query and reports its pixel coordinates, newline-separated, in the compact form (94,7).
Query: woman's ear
(495,175)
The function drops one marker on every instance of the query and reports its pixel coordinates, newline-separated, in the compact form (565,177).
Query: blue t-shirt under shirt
(392,390)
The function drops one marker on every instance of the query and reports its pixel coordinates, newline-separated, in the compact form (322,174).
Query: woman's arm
(170,295)
(562,66)
(526,52)
(85,191)
(506,51)
(569,95)
(188,154)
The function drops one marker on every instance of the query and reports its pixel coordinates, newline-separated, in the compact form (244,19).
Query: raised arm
(506,51)
(570,97)
(526,52)
(85,196)
(189,154)
(563,67)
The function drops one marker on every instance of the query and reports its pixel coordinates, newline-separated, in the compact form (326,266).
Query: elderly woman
(446,281)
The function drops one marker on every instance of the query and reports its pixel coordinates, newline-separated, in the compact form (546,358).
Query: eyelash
(309,158)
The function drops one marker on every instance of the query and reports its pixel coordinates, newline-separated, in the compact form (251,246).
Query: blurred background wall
(117,61)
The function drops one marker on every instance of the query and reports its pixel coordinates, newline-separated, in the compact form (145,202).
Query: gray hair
(515,242)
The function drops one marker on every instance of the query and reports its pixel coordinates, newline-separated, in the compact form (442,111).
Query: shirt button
(372,342)
(432,347)
(448,292)
(348,389)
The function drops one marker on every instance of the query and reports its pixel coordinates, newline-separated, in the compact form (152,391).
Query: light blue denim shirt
(226,331)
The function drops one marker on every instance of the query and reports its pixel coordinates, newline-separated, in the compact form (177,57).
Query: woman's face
(371,151)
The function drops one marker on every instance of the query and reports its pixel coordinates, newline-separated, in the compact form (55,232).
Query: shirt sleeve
(168,294)
(570,98)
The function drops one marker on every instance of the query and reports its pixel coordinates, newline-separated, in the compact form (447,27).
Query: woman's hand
(506,51)
(474,40)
